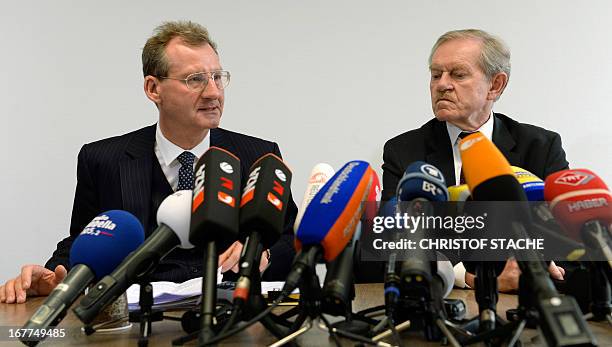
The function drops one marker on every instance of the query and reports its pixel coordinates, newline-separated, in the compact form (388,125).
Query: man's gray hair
(494,56)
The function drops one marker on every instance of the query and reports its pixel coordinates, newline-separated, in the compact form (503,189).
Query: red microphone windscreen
(576,197)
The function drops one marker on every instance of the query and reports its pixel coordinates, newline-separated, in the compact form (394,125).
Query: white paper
(192,287)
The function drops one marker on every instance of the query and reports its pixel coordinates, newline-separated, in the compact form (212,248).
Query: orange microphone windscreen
(481,160)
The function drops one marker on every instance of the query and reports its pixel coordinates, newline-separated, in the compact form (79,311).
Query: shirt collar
(486,129)
(169,151)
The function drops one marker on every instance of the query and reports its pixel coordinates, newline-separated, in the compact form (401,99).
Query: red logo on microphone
(275,201)
(278,188)
(226,199)
(319,177)
(574,178)
(227,183)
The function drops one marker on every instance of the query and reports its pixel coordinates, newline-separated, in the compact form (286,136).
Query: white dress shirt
(167,154)
(453,133)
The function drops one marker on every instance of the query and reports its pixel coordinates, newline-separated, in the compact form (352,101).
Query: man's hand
(556,272)
(229,260)
(33,280)
(508,280)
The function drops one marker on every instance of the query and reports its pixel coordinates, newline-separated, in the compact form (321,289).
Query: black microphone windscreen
(264,199)
(216,199)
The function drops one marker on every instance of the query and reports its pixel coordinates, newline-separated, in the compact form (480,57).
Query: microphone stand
(595,300)
(339,289)
(145,315)
(423,305)
(601,309)
(558,317)
(251,308)
(256,303)
(209,299)
(309,309)
(488,326)
(487,295)
(491,328)
(209,293)
(596,237)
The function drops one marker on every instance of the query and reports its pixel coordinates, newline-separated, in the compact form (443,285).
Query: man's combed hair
(494,56)
(154,60)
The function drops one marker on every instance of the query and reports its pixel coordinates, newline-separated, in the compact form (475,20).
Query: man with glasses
(138,170)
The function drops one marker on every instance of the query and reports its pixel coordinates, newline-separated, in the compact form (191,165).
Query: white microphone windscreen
(175,212)
(445,271)
(320,174)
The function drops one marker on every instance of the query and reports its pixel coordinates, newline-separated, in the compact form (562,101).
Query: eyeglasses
(199,80)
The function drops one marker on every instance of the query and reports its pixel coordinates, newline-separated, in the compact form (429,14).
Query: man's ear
(498,84)
(151,89)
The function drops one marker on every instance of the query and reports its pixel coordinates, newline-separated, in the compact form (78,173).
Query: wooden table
(368,295)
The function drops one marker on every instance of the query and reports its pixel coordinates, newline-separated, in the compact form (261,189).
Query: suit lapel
(439,151)
(504,141)
(135,172)
(221,140)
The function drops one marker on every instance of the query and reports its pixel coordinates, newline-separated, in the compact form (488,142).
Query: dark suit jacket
(116,173)
(532,148)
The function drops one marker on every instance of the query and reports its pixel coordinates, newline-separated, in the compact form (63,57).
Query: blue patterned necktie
(185,179)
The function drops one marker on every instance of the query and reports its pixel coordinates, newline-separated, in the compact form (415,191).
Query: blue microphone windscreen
(330,203)
(532,184)
(534,191)
(106,241)
(422,180)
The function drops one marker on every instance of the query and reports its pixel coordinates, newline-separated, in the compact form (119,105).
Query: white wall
(330,81)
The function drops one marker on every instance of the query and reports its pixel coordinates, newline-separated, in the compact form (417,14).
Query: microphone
(421,185)
(422,182)
(532,184)
(262,215)
(582,202)
(392,280)
(320,174)
(338,288)
(485,167)
(173,218)
(544,224)
(98,249)
(459,193)
(446,273)
(214,221)
(490,177)
(216,199)
(330,219)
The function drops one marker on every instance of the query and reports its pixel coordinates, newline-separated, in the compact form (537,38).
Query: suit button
(194,270)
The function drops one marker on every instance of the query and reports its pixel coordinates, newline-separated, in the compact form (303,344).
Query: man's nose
(211,91)
(444,83)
